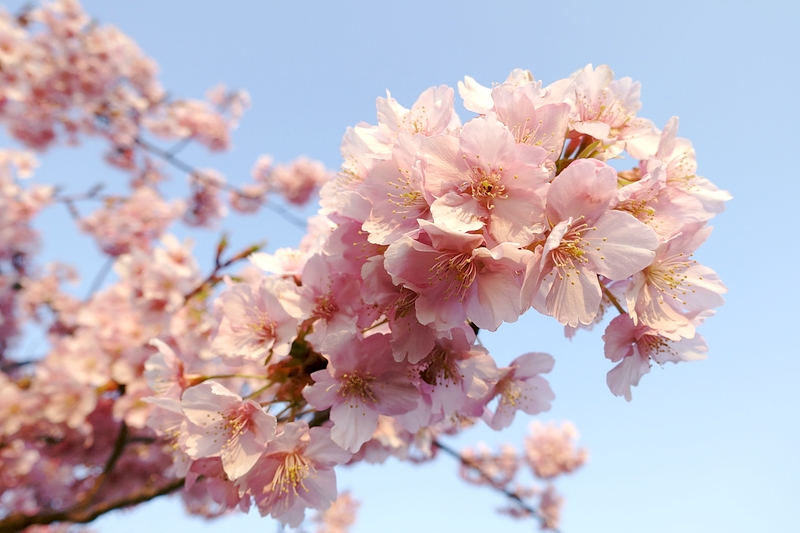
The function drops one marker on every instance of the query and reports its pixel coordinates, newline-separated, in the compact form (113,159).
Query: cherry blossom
(634,347)
(225,426)
(357,389)
(520,386)
(587,239)
(296,472)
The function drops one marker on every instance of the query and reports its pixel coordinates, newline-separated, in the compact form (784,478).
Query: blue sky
(705,446)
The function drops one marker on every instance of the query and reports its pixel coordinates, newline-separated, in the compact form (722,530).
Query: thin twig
(170,157)
(287,216)
(85,499)
(100,277)
(213,277)
(613,299)
(492,483)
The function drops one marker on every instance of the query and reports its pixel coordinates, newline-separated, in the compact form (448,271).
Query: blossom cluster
(432,231)
(65,412)
(361,343)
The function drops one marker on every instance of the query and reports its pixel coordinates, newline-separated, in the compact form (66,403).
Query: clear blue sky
(705,446)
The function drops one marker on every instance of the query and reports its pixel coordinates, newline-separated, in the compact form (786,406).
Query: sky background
(704,446)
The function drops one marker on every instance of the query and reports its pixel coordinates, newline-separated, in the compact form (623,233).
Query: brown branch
(218,266)
(100,277)
(18,521)
(612,299)
(85,499)
(469,463)
(170,157)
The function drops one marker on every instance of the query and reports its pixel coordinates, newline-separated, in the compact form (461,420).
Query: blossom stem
(613,300)
(375,325)
(19,521)
(256,393)
(227,376)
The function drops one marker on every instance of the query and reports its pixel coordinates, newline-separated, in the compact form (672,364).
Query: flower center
(326,307)
(652,345)
(458,271)
(570,250)
(291,474)
(486,187)
(439,368)
(639,209)
(669,277)
(262,327)
(358,387)
(405,302)
(407,199)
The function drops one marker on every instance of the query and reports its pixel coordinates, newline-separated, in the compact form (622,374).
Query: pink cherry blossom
(675,284)
(520,386)
(295,473)
(357,388)
(634,347)
(225,426)
(587,240)
(255,322)
(550,450)
(457,278)
(484,178)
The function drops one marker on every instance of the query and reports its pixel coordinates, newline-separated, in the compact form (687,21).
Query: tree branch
(492,483)
(172,159)
(18,521)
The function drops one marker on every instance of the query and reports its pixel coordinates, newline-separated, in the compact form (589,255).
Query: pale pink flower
(543,125)
(455,376)
(248,199)
(67,401)
(457,278)
(285,262)
(484,178)
(295,472)
(225,426)
(431,114)
(410,339)
(675,284)
(362,381)
(134,222)
(16,406)
(606,109)
(329,299)
(520,386)
(535,116)
(500,467)
(663,208)
(193,119)
(296,182)
(205,206)
(481,99)
(164,371)
(397,193)
(550,450)
(390,439)
(634,347)
(254,321)
(340,516)
(550,506)
(587,240)
(680,165)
